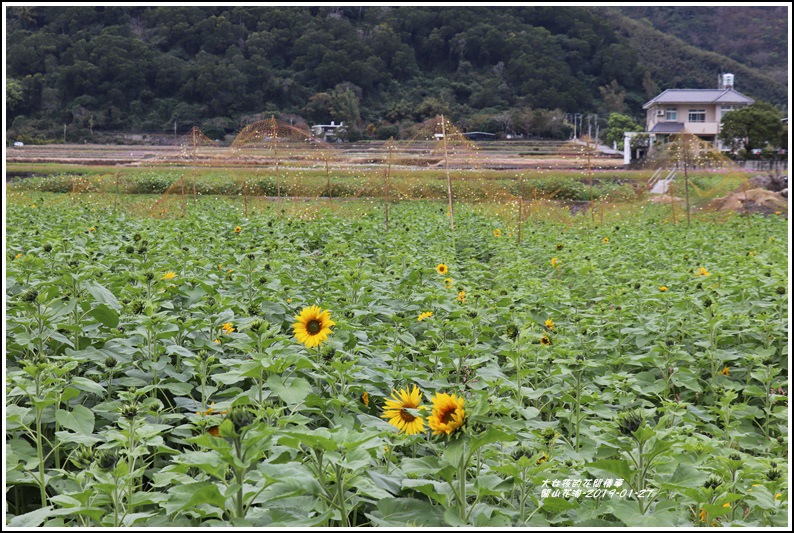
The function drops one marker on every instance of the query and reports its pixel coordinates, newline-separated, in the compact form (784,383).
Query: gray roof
(668,127)
(699,96)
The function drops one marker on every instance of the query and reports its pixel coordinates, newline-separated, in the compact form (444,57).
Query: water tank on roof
(726,81)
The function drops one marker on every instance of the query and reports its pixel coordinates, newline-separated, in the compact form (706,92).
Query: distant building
(329,132)
(696,111)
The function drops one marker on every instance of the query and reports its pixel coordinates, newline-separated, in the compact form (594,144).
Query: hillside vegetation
(378,69)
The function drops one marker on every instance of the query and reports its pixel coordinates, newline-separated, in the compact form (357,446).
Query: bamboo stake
(182,192)
(590,175)
(275,150)
(388,179)
(449,179)
(520,206)
(686,175)
(195,162)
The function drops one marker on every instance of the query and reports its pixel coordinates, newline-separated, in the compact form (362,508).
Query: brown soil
(751,201)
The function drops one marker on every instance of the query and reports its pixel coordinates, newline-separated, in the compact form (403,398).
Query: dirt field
(501,155)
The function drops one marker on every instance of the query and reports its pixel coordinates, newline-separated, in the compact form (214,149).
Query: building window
(697,115)
(726,108)
(671,114)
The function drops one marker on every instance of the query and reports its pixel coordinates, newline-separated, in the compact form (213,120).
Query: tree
(617,125)
(751,127)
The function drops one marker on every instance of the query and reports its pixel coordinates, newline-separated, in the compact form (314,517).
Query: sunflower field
(286,371)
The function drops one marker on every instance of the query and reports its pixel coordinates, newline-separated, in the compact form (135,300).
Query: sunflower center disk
(407,417)
(314,327)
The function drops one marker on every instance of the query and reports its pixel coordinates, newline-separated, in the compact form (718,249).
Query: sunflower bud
(512,332)
(130,249)
(735,457)
(48,247)
(713,482)
(149,276)
(110,363)
(29,295)
(241,418)
(137,237)
(105,459)
(136,307)
(773,474)
(82,457)
(130,410)
(328,352)
(629,422)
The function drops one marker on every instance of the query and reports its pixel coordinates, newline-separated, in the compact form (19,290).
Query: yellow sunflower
(238,229)
(606,240)
(313,326)
(395,410)
(462,296)
(725,371)
(442,269)
(365,398)
(555,262)
(702,272)
(545,341)
(448,283)
(228,327)
(448,413)
(421,317)
(662,289)
(549,324)
(497,232)
(92,229)
(169,275)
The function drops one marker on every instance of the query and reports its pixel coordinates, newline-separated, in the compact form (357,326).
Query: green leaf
(80,419)
(620,468)
(292,391)
(183,497)
(406,512)
(102,295)
(104,314)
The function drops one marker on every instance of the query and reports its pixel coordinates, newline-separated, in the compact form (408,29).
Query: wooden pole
(182,189)
(116,199)
(388,179)
(327,177)
(245,198)
(590,175)
(520,206)
(275,150)
(449,179)
(686,174)
(195,162)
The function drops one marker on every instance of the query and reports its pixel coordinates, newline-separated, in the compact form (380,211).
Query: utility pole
(64,133)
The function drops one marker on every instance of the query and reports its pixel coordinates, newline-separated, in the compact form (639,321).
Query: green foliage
(131,402)
(145,68)
(617,125)
(752,127)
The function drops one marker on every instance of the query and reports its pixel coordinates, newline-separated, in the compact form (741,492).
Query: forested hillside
(379,69)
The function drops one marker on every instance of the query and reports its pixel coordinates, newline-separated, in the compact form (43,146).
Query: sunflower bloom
(442,269)
(662,289)
(168,275)
(448,414)
(313,326)
(545,340)
(606,240)
(228,327)
(18,256)
(395,410)
(549,324)
(238,229)
(92,229)
(427,314)
(726,371)
(448,283)
(555,262)
(702,272)
(497,232)
(462,296)
(703,515)
(365,398)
